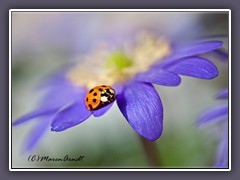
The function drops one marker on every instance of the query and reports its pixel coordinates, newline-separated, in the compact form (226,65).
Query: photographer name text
(38,158)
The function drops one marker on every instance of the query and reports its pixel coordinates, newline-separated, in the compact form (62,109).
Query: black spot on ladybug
(95,94)
(108,98)
(87,99)
(91,90)
(108,91)
(104,94)
(104,86)
(90,106)
(100,89)
(94,100)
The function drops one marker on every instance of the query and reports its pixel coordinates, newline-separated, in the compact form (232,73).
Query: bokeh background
(42,42)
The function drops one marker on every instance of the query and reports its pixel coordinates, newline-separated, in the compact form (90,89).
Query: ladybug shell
(99,97)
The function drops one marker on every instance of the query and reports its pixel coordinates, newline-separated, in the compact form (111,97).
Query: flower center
(114,65)
(118,61)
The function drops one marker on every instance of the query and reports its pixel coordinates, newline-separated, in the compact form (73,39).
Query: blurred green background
(42,42)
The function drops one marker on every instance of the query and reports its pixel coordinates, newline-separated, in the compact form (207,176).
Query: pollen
(113,65)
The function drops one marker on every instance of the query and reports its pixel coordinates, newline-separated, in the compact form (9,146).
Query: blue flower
(217,114)
(131,70)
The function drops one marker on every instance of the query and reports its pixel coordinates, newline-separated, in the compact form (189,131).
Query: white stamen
(145,52)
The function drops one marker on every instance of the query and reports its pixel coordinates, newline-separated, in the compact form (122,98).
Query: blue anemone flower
(217,114)
(131,70)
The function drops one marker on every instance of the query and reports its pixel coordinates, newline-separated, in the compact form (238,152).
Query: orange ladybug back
(99,97)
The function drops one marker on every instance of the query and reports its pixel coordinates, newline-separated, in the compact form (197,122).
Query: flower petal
(142,107)
(56,78)
(190,50)
(70,116)
(159,76)
(221,55)
(118,88)
(222,94)
(37,133)
(213,114)
(61,94)
(102,111)
(196,49)
(222,152)
(34,114)
(195,67)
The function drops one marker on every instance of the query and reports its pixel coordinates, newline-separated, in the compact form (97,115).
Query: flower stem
(151,152)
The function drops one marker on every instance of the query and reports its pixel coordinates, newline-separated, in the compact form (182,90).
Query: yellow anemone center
(113,65)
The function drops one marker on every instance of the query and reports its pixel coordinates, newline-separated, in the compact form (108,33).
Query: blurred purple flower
(63,106)
(216,114)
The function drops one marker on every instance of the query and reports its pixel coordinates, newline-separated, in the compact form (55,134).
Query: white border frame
(115,10)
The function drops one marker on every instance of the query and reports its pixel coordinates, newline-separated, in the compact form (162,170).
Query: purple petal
(220,166)
(216,113)
(70,116)
(222,152)
(34,114)
(221,55)
(222,94)
(102,111)
(196,49)
(118,88)
(37,133)
(191,50)
(56,78)
(195,67)
(61,94)
(159,76)
(142,107)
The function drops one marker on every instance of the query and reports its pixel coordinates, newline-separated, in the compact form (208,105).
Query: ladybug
(99,97)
